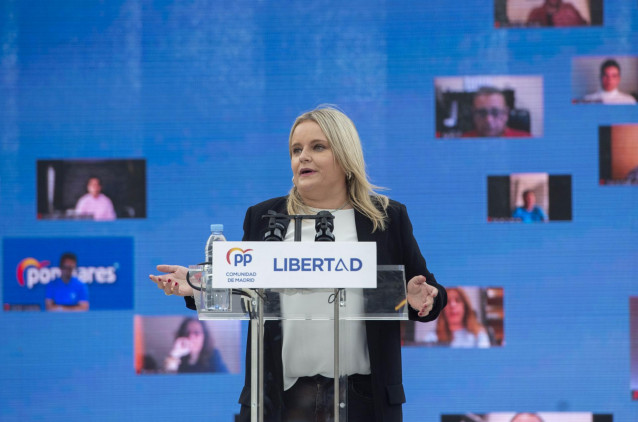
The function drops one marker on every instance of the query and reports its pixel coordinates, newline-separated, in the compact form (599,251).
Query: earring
(349,175)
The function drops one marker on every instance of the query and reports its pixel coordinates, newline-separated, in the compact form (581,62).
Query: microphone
(277,227)
(324,225)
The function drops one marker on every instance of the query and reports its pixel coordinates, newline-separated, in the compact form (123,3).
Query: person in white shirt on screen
(609,81)
(95,203)
(458,325)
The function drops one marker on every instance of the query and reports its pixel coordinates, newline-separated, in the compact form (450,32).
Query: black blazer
(396,245)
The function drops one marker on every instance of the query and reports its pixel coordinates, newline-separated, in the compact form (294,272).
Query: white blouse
(308,346)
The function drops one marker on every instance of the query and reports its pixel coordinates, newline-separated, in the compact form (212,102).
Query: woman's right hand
(173,282)
(181,347)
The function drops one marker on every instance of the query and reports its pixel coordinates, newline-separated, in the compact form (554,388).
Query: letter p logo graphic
(239,257)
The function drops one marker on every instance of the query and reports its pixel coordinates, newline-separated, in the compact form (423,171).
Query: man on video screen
(490,114)
(609,81)
(67,293)
(95,203)
(529,212)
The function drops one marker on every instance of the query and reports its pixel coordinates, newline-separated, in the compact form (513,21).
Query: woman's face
(320,180)
(195,335)
(455,309)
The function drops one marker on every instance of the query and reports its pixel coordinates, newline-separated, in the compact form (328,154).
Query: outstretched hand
(421,296)
(174,281)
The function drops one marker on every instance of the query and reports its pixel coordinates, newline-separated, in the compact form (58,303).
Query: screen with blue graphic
(32,265)
(128,127)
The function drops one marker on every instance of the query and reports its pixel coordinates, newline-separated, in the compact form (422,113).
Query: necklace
(331,211)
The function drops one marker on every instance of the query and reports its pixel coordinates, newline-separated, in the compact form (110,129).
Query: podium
(341,308)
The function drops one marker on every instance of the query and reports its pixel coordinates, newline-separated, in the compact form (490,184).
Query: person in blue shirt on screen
(529,212)
(67,293)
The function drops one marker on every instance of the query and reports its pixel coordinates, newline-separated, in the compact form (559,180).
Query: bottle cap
(217,227)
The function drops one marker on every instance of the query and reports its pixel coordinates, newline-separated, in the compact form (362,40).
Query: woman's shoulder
(395,204)
(393,207)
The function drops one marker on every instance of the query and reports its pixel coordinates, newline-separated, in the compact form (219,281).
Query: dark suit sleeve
(415,265)
(190,302)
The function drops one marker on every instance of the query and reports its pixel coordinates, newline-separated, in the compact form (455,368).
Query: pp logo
(239,257)
(26,264)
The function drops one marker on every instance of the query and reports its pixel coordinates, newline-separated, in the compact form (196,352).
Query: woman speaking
(328,174)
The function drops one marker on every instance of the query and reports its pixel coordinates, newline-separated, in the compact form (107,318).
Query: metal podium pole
(260,313)
(257,360)
(277,231)
(337,402)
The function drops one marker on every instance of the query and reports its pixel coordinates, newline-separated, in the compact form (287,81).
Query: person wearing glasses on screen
(609,81)
(555,13)
(490,114)
(329,174)
(67,293)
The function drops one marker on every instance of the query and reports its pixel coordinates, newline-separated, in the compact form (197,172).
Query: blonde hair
(346,146)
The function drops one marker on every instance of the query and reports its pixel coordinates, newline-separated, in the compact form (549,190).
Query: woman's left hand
(421,296)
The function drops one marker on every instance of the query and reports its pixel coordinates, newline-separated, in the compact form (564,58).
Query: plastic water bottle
(214,299)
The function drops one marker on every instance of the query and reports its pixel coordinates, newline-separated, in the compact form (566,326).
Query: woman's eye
(296,151)
(320,147)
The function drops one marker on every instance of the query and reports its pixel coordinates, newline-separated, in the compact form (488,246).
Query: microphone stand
(277,226)
(324,226)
